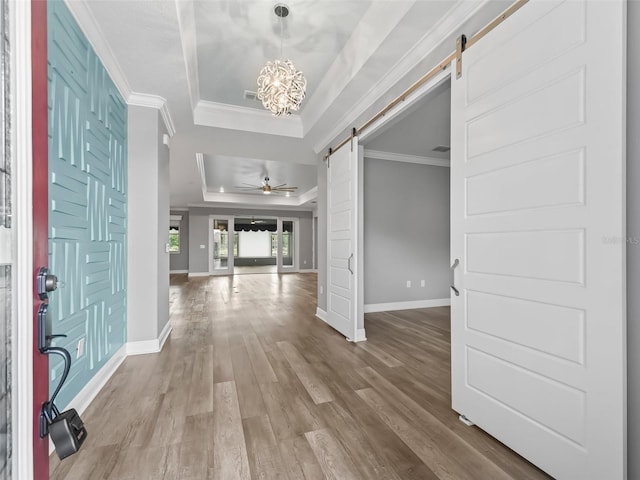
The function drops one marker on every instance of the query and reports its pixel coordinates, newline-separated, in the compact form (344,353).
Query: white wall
(148,227)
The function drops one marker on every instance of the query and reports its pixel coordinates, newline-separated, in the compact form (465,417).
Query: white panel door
(537,223)
(344,303)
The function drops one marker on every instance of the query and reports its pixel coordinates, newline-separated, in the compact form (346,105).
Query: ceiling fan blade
(247,188)
(278,186)
(284,189)
(251,185)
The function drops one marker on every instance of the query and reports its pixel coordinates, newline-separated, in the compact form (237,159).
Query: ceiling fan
(267,189)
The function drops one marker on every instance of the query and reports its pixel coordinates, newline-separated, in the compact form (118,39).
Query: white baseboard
(361,336)
(164,334)
(388,307)
(149,346)
(321,314)
(85,396)
(178,271)
(198,274)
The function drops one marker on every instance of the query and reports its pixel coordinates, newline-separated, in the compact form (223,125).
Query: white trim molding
(85,396)
(22,315)
(95,385)
(178,271)
(150,346)
(221,115)
(390,307)
(459,14)
(322,315)
(91,29)
(157,102)
(361,336)
(198,274)
(399,157)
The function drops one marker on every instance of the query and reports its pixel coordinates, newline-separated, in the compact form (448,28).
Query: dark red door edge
(40,219)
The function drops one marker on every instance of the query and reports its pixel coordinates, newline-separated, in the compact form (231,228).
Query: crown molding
(201,172)
(459,14)
(399,157)
(157,102)
(91,29)
(187,28)
(309,195)
(247,119)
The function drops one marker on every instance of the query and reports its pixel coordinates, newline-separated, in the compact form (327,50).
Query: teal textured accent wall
(88,203)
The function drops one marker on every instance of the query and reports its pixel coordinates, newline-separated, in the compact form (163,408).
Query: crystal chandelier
(281,87)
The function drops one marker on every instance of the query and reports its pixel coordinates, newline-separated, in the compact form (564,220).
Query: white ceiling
(198,56)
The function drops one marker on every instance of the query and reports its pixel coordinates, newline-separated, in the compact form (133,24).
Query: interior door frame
(296,247)
(230,260)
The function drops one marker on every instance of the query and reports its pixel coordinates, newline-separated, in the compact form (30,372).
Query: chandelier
(281,87)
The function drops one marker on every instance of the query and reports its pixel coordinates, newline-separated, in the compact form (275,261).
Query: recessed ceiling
(314,33)
(197,57)
(229,174)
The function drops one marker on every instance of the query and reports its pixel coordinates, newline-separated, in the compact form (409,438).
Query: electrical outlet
(408,283)
(80,351)
(304,262)
(422,283)
(202,246)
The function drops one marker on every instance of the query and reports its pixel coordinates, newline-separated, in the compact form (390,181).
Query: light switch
(202,246)
(166,248)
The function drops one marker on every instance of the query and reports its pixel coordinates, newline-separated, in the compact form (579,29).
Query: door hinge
(461,44)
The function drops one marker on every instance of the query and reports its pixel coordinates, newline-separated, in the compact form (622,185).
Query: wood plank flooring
(251,385)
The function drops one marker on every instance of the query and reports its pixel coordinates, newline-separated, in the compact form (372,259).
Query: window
(174,239)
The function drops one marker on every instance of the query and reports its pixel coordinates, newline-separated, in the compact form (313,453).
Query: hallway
(250,384)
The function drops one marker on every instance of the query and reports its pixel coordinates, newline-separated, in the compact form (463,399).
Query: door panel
(344,300)
(537,172)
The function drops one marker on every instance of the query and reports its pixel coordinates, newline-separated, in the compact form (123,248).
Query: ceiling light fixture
(281,87)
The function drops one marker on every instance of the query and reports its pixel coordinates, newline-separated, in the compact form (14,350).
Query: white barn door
(344,242)
(537,185)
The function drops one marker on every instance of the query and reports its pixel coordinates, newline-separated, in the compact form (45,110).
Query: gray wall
(148,226)
(633,231)
(306,242)
(406,232)
(163,225)
(199,233)
(180,261)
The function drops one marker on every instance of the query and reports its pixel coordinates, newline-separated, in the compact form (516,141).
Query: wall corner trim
(389,307)
(164,334)
(157,102)
(361,336)
(149,346)
(321,314)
